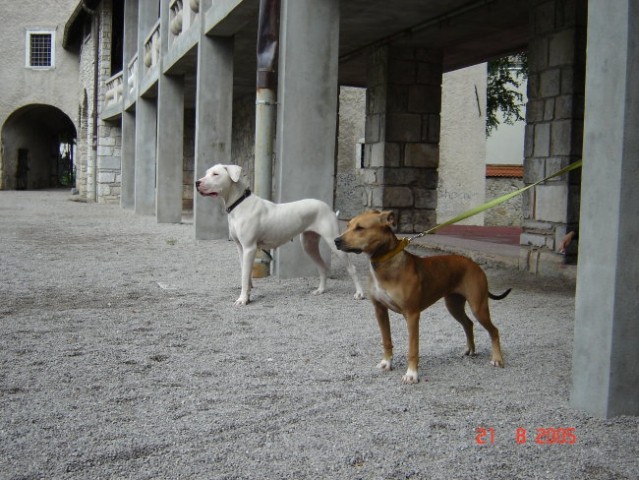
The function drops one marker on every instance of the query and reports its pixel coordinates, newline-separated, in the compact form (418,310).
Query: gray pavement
(122,356)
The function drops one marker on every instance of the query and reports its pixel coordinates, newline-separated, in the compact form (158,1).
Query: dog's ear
(387,218)
(234,172)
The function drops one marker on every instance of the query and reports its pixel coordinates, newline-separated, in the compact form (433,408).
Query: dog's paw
(385,365)
(319,291)
(497,363)
(469,353)
(410,378)
(241,302)
(359,296)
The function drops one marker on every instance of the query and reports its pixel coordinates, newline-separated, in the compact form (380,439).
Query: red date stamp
(540,436)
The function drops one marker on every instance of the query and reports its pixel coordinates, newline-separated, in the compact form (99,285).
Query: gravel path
(122,356)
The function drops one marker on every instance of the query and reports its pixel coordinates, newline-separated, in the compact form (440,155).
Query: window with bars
(40,52)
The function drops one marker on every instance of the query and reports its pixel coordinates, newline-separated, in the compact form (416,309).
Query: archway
(38,145)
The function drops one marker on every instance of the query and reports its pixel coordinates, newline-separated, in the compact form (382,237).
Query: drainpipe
(266,98)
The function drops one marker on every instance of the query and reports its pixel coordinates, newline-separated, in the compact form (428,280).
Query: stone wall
(350,196)
(98,152)
(462,149)
(554,116)
(507,214)
(109,141)
(109,177)
(401,153)
(85,147)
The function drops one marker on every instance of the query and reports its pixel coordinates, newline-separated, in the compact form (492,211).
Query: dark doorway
(22,172)
(38,149)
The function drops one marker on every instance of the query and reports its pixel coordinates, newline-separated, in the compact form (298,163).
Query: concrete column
(127,195)
(170,152)
(213,120)
(401,154)
(605,357)
(554,128)
(307,117)
(145,121)
(145,152)
(170,149)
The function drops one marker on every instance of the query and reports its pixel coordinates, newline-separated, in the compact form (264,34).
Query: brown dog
(408,284)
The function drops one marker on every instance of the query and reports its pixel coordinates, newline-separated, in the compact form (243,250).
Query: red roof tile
(516,171)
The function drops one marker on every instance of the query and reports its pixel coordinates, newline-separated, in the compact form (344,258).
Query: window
(40,51)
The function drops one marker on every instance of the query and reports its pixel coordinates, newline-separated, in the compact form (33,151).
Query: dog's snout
(339,242)
(197,183)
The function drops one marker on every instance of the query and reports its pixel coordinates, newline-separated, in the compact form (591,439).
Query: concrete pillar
(605,357)
(170,150)
(127,196)
(307,117)
(145,121)
(554,128)
(145,151)
(401,152)
(213,120)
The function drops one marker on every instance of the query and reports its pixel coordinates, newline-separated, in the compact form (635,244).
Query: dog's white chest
(382,295)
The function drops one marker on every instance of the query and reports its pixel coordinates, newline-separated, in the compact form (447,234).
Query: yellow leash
(496,201)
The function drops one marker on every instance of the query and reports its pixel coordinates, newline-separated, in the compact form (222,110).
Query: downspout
(266,97)
(268,33)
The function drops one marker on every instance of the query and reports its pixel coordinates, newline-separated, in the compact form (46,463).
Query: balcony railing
(152,46)
(181,18)
(114,90)
(132,79)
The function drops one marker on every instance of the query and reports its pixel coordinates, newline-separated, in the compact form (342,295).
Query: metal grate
(40,50)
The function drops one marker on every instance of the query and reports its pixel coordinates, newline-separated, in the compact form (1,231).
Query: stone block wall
(109,178)
(554,116)
(507,214)
(85,148)
(401,153)
(98,150)
(109,138)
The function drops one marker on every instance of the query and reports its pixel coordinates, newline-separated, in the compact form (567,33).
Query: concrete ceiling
(466,31)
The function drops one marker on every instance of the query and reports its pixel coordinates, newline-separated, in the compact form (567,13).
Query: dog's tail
(499,297)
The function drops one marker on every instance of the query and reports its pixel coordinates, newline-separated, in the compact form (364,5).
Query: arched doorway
(38,145)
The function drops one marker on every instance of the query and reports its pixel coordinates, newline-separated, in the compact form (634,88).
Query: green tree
(505,76)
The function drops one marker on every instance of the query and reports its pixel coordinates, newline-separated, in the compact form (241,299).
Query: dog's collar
(403,243)
(246,193)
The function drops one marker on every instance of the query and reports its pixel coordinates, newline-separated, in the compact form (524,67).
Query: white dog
(258,223)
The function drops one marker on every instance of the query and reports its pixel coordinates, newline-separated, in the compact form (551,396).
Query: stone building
(40,96)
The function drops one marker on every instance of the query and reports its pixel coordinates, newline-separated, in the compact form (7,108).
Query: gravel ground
(122,356)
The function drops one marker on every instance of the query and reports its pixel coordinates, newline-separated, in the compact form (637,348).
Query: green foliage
(505,76)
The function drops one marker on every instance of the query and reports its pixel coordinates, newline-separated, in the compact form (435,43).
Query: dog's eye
(358,227)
